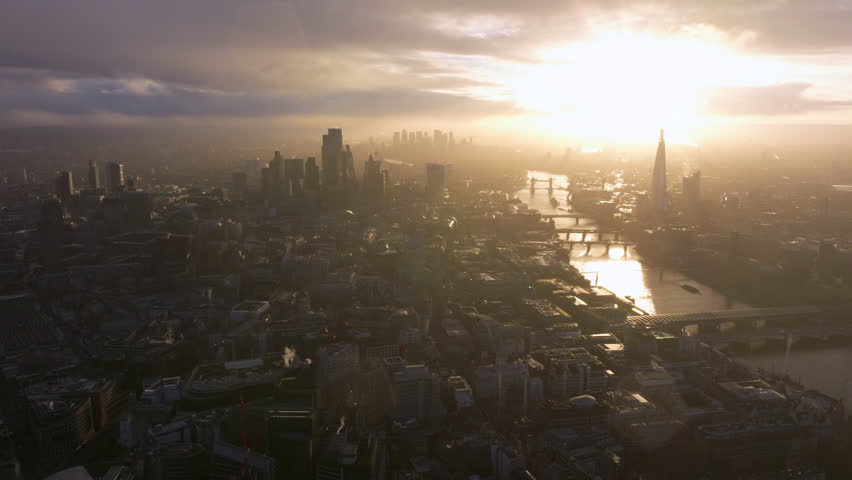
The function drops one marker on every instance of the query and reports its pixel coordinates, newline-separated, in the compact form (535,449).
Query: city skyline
(422,240)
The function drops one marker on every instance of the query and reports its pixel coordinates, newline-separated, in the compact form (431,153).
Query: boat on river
(689,288)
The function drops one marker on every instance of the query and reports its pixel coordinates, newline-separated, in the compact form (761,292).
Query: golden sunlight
(625,85)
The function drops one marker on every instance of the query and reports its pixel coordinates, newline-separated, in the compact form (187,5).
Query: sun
(620,85)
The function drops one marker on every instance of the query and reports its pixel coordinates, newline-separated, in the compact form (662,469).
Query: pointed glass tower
(659,202)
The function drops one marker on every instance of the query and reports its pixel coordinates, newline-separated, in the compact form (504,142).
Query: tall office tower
(65,186)
(419,137)
(435,177)
(411,138)
(404,137)
(395,139)
(332,157)
(114,173)
(239,185)
(374,181)
(348,169)
(659,202)
(94,178)
(276,189)
(417,393)
(294,172)
(311,174)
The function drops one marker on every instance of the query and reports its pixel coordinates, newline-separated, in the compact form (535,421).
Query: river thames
(625,274)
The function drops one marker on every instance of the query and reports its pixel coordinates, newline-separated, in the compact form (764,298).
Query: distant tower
(332,157)
(659,202)
(374,181)
(94,179)
(348,166)
(114,176)
(64,186)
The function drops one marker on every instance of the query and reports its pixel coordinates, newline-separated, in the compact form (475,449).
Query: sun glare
(626,85)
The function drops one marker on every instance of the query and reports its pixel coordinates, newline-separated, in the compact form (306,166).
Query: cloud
(771,100)
(391,57)
(23,90)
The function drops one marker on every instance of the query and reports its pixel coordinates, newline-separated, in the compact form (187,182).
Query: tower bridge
(548,181)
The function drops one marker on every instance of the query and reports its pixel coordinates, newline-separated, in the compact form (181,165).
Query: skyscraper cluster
(405,140)
(286,178)
(283,178)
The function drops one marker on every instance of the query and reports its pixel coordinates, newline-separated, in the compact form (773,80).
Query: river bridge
(549,182)
(575,216)
(719,320)
(591,235)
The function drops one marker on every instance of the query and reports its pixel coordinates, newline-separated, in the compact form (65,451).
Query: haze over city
(425,240)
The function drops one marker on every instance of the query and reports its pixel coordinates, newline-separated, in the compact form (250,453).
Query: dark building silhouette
(65,186)
(332,157)
(294,173)
(275,187)
(94,177)
(659,200)
(114,176)
(348,166)
(374,181)
(311,174)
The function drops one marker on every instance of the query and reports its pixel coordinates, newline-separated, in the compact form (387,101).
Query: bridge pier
(588,248)
(607,248)
(584,236)
(550,186)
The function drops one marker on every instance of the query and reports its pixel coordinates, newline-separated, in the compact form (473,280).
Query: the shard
(659,202)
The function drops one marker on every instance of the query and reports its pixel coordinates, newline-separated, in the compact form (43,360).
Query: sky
(596,68)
